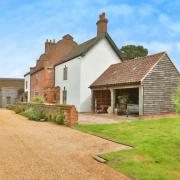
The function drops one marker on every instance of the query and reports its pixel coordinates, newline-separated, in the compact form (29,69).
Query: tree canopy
(133,51)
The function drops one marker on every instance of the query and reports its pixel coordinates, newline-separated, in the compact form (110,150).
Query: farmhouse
(94,77)
(39,81)
(10,90)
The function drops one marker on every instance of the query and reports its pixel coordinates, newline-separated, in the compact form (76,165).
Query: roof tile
(127,72)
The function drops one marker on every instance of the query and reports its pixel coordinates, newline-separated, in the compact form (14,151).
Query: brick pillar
(72,119)
(49,96)
(57,91)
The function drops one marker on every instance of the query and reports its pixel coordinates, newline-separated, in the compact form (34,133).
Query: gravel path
(41,150)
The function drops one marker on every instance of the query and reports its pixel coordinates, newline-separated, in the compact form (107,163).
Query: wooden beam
(141,101)
(92,101)
(112,99)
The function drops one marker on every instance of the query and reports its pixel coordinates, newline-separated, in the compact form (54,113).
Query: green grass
(156,152)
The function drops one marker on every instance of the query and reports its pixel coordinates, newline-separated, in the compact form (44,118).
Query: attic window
(65,71)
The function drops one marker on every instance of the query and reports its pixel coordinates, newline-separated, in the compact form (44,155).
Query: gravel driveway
(41,150)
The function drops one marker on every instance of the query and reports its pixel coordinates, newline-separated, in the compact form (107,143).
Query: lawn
(156,152)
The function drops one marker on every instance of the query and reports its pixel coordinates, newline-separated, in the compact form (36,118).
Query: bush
(18,110)
(177,100)
(57,117)
(34,114)
(60,119)
(38,100)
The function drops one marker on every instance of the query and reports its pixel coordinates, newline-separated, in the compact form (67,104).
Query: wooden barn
(141,86)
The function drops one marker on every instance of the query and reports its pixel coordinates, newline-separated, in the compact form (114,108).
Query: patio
(93,118)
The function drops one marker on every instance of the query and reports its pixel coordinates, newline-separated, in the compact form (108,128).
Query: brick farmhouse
(94,77)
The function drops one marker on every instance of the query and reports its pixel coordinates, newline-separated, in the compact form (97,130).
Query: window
(65,71)
(36,93)
(8,100)
(26,84)
(64,96)
(37,78)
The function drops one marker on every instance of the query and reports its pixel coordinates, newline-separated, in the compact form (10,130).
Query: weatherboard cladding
(159,86)
(127,72)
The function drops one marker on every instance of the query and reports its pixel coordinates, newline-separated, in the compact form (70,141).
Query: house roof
(11,82)
(127,72)
(83,48)
(27,74)
(11,79)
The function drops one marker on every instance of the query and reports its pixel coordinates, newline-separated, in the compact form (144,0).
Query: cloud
(130,10)
(172,48)
(172,25)
(25,25)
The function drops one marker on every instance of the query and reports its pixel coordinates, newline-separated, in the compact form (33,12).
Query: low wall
(70,112)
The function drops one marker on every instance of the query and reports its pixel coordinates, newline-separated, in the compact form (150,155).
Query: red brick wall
(54,52)
(70,112)
(40,85)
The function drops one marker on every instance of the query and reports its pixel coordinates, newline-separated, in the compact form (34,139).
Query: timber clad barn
(10,90)
(148,82)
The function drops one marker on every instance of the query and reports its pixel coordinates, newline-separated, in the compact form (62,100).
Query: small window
(37,78)
(36,93)
(64,96)
(8,100)
(26,84)
(65,71)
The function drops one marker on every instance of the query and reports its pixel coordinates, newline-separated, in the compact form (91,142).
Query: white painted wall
(72,84)
(82,72)
(93,64)
(27,79)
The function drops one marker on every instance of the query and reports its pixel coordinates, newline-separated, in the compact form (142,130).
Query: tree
(177,100)
(133,51)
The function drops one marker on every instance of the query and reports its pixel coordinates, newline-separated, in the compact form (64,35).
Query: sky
(26,24)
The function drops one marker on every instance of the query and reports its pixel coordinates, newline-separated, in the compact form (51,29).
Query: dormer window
(65,71)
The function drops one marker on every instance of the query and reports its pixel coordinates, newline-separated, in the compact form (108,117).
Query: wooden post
(141,100)
(112,99)
(92,101)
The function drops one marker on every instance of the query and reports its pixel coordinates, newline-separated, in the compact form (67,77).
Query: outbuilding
(141,86)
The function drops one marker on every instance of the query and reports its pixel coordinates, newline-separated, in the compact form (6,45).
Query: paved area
(45,151)
(90,118)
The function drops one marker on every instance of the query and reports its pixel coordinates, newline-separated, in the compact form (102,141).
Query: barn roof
(127,72)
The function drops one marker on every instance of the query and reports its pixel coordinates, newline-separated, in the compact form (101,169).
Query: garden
(36,114)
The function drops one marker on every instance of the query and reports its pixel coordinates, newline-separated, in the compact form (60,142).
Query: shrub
(53,117)
(38,100)
(49,117)
(34,114)
(18,110)
(60,119)
(177,100)
(57,117)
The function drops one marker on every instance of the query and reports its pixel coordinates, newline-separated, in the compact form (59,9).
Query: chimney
(49,45)
(68,37)
(102,25)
